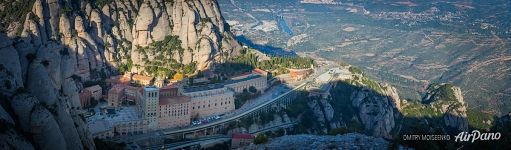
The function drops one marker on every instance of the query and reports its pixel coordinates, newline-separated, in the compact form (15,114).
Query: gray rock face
(328,110)
(316,108)
(63,40)
(68,128)
(198,24)
(10,137)
(448,100)
(83,132)
(107,36)
(45,130)
(306,142)
(39,83)
(20,104)
(9,62)
(5,117)
(376,113)
(456,117)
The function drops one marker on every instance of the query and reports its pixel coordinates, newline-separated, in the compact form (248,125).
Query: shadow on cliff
(266,49)
(38,104)
(342,97)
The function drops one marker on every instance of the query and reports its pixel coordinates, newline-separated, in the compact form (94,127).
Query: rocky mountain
(447,100)
(375,106)
(38,95)
(359,104)
(103,34)
(52,46)
(203,33)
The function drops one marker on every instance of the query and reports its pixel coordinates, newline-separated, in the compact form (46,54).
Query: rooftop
(93,88)
(142,78)
(249,77)
(171,86)
(101,122)
(260,71)
(246,77)
(150,88)
(171,100)
(132,88)
(120,79)
(116,89)
(124,114)
(129,113)
(240,76)
(202,88)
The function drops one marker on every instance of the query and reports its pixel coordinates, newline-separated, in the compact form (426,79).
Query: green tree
(355,70)
(163,52)
(260,139)
(190,68)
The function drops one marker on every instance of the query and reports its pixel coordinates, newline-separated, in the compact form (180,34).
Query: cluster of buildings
(162,106)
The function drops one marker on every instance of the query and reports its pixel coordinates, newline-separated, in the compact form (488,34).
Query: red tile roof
(260,71)
(142,78)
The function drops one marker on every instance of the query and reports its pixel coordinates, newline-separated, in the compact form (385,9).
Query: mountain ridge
(58,45)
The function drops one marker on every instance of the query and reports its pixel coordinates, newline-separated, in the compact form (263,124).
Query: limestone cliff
(32,92)
(52,46)
(199,25)
(373,107)
(359,104)
(102,35)
(446,102)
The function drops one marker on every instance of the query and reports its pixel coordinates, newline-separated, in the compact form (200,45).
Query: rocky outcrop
(101,37)
(376,112)
(33,77)
(34,97)
(10,138)
(346,141)
(57,45)
(45,130)
(359,101)
(447,100)
(198,24)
